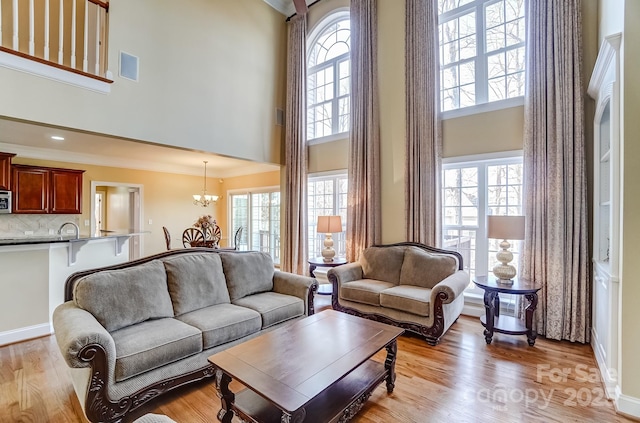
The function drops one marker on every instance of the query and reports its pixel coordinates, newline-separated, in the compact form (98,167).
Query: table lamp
(328,225)
(505,227)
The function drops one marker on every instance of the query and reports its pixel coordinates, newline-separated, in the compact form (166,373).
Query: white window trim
(481,65)
(248,192)
(483,108)
(329,138)
(330,18)
(473,293)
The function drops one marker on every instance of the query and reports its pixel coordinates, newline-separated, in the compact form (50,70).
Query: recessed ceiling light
(57,138)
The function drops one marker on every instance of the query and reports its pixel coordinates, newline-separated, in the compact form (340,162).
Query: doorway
(117,207)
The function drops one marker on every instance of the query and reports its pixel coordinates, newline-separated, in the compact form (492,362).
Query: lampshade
(329,224)
(505,227)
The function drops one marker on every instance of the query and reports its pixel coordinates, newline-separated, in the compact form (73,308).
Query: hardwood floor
(460,380)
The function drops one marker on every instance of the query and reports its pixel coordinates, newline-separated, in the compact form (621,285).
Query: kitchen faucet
(69,223)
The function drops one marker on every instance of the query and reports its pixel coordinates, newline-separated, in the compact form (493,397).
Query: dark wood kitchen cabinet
(5,170)
(46,190)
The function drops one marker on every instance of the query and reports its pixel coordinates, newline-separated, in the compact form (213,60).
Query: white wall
(211,76)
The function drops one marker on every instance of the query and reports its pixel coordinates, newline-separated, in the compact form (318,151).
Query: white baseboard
(22,334)
(610,382)
(627,405)
(472,309)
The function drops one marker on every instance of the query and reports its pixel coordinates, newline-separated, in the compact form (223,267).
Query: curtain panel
(363,199)
(295,229)
(423,144)
(555,252)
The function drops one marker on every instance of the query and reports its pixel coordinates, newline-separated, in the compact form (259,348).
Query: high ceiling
(285,6)
(30,140)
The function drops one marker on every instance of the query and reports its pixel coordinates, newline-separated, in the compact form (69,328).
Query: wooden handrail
(103,4)
(54,64)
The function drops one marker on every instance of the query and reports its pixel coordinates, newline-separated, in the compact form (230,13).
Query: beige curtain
(423,145)
(555,252)
(294,234)
(363,199)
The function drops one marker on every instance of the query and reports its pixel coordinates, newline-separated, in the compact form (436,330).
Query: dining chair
(192,235)
(167,237)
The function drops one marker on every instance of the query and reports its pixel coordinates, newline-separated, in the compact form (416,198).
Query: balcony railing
(66,34)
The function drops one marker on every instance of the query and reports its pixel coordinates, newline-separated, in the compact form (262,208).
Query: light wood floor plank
(460,380)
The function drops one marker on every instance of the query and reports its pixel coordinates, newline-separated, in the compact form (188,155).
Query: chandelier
(204,199)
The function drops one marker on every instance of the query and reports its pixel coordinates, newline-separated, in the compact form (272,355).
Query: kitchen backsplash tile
(21,225)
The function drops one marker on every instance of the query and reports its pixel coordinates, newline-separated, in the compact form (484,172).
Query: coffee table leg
(390,365)
(225,415)
(533,303)
(297,417)
(489,305)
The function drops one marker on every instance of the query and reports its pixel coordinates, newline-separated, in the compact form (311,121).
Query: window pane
(494,14)
(467,95)
(515,32)
(514,9)
(495,38)
(497,89)
(449,77)
(447,5)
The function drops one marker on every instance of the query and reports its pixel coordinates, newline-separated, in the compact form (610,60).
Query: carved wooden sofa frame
(433,333)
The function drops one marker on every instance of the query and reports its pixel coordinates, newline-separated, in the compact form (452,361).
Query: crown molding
(124,163)
(283,6)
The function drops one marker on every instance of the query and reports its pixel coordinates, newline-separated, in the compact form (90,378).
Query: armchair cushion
(382,263)
(195,281)
(425,269)
(365,291)
(409,298)
(119,298)
(247,273)
(153,344)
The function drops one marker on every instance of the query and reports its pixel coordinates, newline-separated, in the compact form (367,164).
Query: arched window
(328,73)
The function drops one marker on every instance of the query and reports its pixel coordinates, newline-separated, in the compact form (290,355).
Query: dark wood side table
(319,262)
(493,322)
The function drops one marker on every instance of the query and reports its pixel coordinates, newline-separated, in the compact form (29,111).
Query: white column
(61,36)
(85,61)
(97,69)
(46,30)
(73,34)
(32,44)
(16,45)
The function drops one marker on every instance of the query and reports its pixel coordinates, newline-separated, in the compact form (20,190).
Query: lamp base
(504,272)
(328,253)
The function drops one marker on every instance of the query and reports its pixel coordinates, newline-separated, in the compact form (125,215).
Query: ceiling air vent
(128,66)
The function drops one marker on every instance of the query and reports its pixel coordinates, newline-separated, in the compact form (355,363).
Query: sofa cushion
(222,323)
(119,298)
(382,263)
(195,281)
(365,291)
(409,298)
(425,269)
(152,344)
(247,273)
(273,307)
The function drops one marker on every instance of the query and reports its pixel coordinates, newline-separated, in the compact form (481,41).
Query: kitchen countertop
(51,239)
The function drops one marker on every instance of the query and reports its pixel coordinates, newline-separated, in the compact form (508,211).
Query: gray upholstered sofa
(133,331)
(410,285)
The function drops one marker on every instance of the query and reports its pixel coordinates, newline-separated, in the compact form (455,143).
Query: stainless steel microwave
(5,202)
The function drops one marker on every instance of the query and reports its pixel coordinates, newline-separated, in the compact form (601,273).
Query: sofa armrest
(453,286)
(346,273)
(299,286)
(76,328)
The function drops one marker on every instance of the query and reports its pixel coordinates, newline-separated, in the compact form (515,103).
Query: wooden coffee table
(317,369)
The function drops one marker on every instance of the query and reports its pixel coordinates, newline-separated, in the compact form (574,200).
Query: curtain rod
(309,5)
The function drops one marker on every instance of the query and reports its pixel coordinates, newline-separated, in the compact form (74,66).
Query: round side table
(493,322)
(319,262)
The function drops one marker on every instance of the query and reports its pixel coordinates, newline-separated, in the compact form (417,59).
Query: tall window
(470,192)
(327,196)
(482,51)
(259,213)
(328,80)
